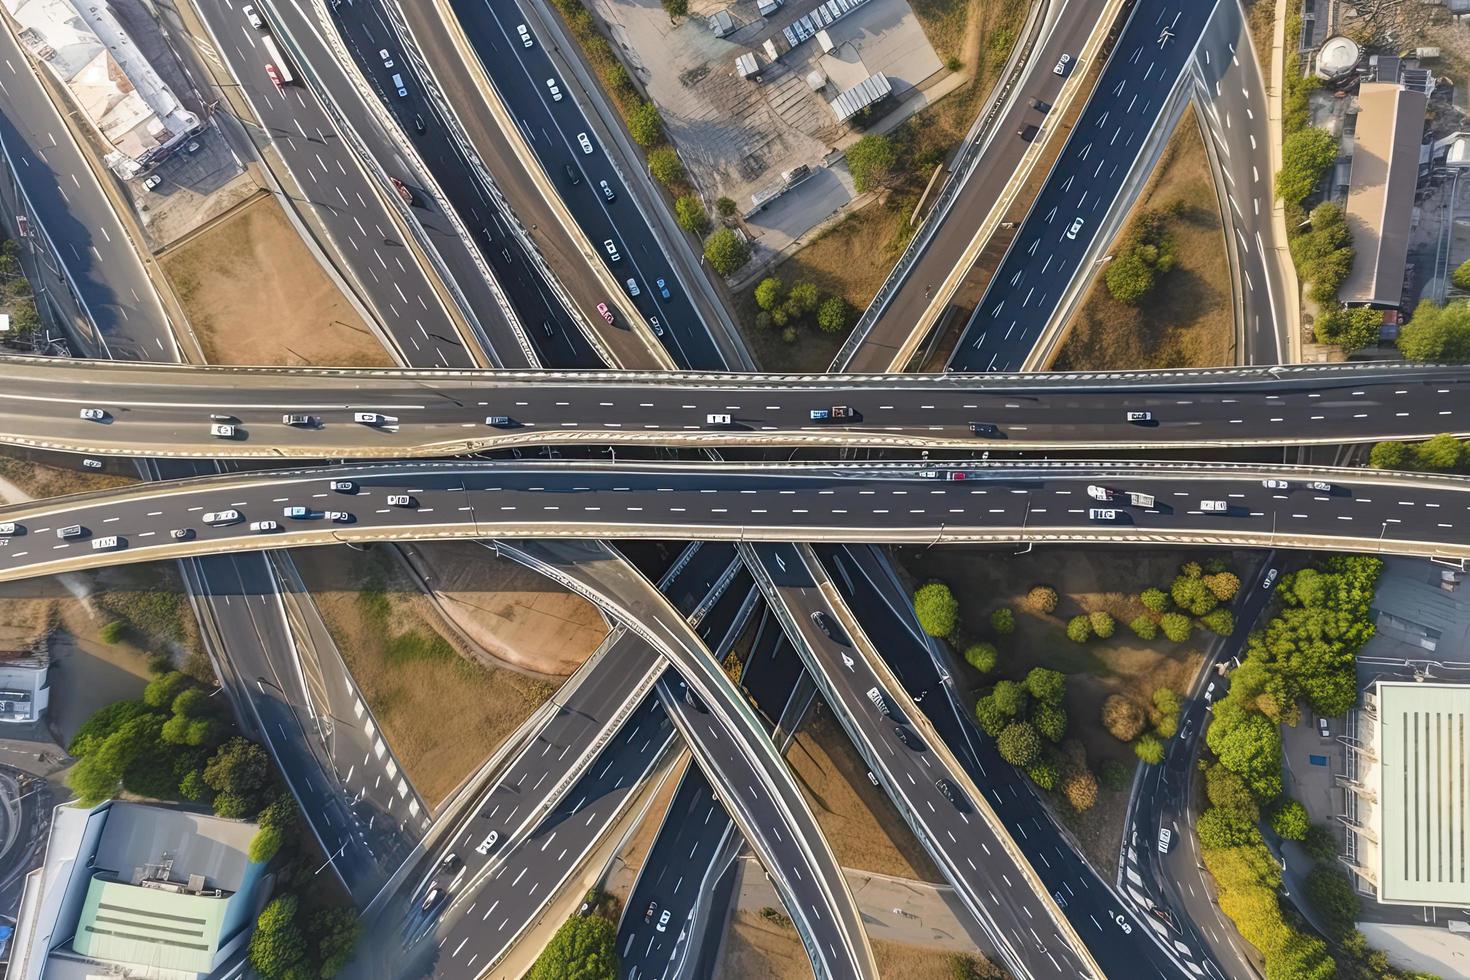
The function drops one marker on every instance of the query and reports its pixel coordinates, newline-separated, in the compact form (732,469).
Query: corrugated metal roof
(860,96)
(1424,790)
(1380,202)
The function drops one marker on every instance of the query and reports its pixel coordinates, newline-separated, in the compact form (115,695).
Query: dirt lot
(518,616)
(39,480)
(410,673)
(256,295)
(1187,320)
(862,826)
(1087,579)
(757,947)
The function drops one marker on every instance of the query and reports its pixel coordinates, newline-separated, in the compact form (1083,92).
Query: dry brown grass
(256,295)
(757,947)
(1187,320)
(857,819)
(39,480)
(442,714)
(1261,17)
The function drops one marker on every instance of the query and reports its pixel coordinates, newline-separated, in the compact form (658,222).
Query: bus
(282,67)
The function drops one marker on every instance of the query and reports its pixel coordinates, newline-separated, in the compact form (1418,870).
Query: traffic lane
(926,790)
(553,335)
(343,200)
(421,415)
(1082,186)
(468,276)
(1096,914)
(983,183)
(77,217)
(551,127)
(874,502)
(489,918)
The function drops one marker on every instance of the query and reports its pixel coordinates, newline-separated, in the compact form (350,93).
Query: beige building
(1380,203)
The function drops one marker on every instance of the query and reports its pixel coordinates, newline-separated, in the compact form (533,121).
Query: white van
(715,419)
(1102,514)
(103,544)
(222,517)
(1213,506)
(70,531)
(398,84)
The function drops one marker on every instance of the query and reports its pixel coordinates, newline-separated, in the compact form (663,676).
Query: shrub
(1041,599)
(1019,744)
(726,207)
(936,608)
(872,161)
(1228,791)
(1332,895)
(1123,718)
(1461,276)
(1129,278)
(112,632)
(1437,333)
(1079,629)
(675,8)
(1154,600)
(689,212)
(788,335)
(1191,595)
(1043,772)
(1102,623)
(1046,685)
(1050,720)
(834,315)
(1290,821)
(584,948)
(1219,621)
(1115,776)
(645,125)
(1320,844)
(768,293)
(665,166)
(1080,789)
(1390,456)
(1010,697)
(1306,156)
(1349,329)
(726,252)
(1223,585)
(981,656)
(1003,621)
(1145,628)
(1220,828)
(1149,749)
(264,845)
(989,715)
(1175,626)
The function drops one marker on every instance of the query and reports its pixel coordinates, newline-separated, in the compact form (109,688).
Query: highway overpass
(158,410)
(1047,502)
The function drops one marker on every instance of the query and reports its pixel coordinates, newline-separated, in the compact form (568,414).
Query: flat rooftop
(1380,203)
(1424,790)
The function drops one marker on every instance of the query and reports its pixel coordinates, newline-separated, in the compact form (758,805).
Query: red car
(275,77)
(606,313)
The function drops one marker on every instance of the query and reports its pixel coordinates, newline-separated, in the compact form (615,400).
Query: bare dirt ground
(38,480)
(1086,579)
(757,947)
(1187,320)
(516,615)
(256,295)
(411,675)
(860,823)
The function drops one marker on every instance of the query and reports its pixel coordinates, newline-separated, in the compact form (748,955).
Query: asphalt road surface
(1087,178)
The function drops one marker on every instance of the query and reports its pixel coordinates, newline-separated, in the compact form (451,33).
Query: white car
(222,430)
(152,181)
(1213,506)
(716,419)
(586,143)
(1269,580)
(633,289)
(94,415)
(663,920)
(221,517)
(109,542)
(343,486)
(1102,514)
(181,533)
(8,528)
(485,845)
(554,89)
(1140,416)
(337,516)
(1166,836)
(1076,227)
(70,531)
(92,464)
(498,421)
(1320,485)
(252,17)
(1063,63)
(369,418)
(299,421)
(399,500)
(296,512)
(1099,493)
(525,36)
(611,249)
(1276,484)
(262,527)
(386,58)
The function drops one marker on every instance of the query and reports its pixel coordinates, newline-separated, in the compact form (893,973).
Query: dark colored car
(1028,132)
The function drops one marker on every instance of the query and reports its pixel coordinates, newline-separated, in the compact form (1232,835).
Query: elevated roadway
(167,411)
(1362,510)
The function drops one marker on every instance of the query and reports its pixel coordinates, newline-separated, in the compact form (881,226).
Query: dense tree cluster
(1146,254)
(1441,454)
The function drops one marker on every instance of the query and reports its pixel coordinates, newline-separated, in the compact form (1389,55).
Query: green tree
(1390,456)
(1218,828)
(1046,685)
(1129,278)
(240,772)
(1011,698)
(1144,628)
(872,161)
(162,690)
(768,293)
(936,608)
(1306,156)
(1044,773)
(1219,621)
(1154,600)
(1019,744)
(112,632)
(1102,623)
(1320,844)
(644,124)
(1050,720)
(989,715)
(802,300)
(726,252)
(584,948)
(102,724)
(1003,621)
(665,166)
(1349,329)
(1437,333)
(1122,717)
(1079,629)
(1248,744)
(1149,749)
(1192,595)
(726,207)
(1332,895)
(336,931)
(834,315)
(278,948)
(265,844)
(1290,821)
(1461,276)
(1041,599)
(1440,454)
(1176,626)
(981,656)
(1227,791)
(690,213)
(192,703)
